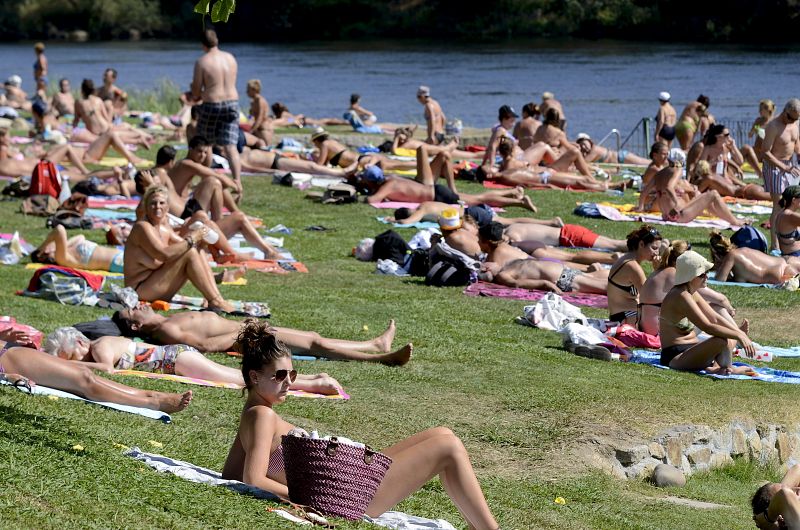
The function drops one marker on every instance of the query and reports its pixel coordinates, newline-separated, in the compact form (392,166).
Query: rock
(767,450)
(609,465)
(643,469)
(782,444)
(79,35)
(674,451)
(665,475)
(720,459)
(738,442)
(754,446)
(632,455)
(721,439)
(686,467)
(699,454)
(657,450)
(702,434)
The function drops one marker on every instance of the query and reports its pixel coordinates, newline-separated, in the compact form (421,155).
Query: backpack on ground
(39,205)
(77,202)
(17,188)
(339,193)
(45,180)
(450,267)
(69,219)
(389,245)
(750,237)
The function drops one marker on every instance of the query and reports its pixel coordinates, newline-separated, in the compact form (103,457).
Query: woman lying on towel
(333,152)
(119,353)
(256,456)
(707,180)
(77,252)
(18,364)
(626,277)
(660,282)
(603,155)
(404,139)
(748,265)
(683,309)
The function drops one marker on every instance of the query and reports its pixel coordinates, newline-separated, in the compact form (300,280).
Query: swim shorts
(218,122)
(576,236)
(667,132)
(670,352)
(444,194)
(117,262)
(567,277)
(775,180)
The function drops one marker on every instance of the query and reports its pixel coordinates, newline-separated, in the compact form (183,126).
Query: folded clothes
(202,475)
(39,390)
(500,291)
(769,375)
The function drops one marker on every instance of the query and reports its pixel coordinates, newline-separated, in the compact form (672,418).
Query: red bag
(36,336)
(45,180)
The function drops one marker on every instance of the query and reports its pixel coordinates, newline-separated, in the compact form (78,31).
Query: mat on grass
(769,375)
(624,212)
(501,291)
(202,475)
(421,225)
(219,384)
(54,393)
(112,203)
(268,265)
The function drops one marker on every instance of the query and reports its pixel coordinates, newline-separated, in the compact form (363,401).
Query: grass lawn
(520,403)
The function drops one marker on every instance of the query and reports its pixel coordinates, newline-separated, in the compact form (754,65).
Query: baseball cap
(423,91)
(373,174)
(506,112)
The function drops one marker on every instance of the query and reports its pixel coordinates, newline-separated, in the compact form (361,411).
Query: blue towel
(104,214)
(420,224)
(365,149)
(769,375)
(712,281)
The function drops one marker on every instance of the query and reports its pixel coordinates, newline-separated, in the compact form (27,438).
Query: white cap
(423,91)
(677,156)
(664,96)
(548,95)
(582,136)
(14,80)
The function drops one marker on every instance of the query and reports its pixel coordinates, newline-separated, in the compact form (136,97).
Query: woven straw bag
(335,478)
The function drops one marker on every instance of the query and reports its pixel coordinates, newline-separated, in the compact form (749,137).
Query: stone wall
(692,448)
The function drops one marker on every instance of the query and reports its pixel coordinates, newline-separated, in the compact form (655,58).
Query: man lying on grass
(776,504)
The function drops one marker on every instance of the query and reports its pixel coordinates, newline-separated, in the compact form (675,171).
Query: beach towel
(419,224)
(105,274)
(219,384)
(39,390)
(102,214)
(195,303)
(112,203)
(623,212)
(269,266)
(501,291)
(769,375)
(201,475)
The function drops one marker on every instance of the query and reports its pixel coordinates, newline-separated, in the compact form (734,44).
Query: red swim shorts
(576,236)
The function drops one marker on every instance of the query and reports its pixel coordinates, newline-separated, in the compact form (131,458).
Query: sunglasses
(280,375)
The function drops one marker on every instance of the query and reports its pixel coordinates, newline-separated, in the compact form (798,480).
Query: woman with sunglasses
(24,366)
(683,309)
(256,456)
(626,277)
(721,153)
(660,282)
(108,354)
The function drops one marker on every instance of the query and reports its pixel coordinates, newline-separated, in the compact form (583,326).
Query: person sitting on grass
(683,309)
(261,126)
(787,222)
(776,505)
(545,275)
(658,161)
(707,180)
(748,265)
(77,252)
(108,354)
(256,456)
(483,213)
(209,332)
(26,366)
(158,261)
(424,188)
(626,277)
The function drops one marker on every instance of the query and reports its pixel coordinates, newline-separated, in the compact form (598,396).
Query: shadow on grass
(31,429)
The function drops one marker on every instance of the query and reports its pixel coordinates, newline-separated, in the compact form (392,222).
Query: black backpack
(69,219)
(445,271)
(339,193)
(419,262)
(389,245)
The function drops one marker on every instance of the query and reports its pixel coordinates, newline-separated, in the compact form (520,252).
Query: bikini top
(630,289)
(275,465)
(795,234)
(683,325)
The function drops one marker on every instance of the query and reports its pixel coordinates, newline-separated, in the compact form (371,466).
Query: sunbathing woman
(682,309)
(603,155)
(658,161)
(707,180)
(660,282)
(689,121)
(77,252)
(787,223)
(336,154)
(720,151)
(284,118)
(26,364)
(158,261)
(256,456)
(119,353)
(748,265)
(752,155)
(526,127)
(679,203)
(626,277)
(260,161)
(567,153)
(15,165)
(404,139)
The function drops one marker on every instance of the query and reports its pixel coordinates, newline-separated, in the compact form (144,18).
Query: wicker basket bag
(335,478)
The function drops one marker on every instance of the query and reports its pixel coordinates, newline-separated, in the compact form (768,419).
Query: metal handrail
(613,132)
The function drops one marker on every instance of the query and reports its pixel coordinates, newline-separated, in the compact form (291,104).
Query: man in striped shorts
(781,143)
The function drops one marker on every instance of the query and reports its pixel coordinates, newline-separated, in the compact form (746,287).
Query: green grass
(518,401)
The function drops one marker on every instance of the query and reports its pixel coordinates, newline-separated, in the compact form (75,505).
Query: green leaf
(222,9)
(201,7)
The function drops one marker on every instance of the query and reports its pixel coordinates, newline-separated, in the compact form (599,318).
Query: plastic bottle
(211,236)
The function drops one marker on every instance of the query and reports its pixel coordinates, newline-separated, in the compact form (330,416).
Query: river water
(602,85)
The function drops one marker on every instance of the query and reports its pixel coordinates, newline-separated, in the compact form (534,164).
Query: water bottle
(211,236)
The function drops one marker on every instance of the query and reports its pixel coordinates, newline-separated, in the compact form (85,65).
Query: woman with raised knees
(787,223)
(626,277)
(256,456)
(683,309)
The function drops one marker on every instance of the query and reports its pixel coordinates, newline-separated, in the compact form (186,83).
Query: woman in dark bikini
(334,153)
(788,222)
(256,456)
(626,277)
(682,309)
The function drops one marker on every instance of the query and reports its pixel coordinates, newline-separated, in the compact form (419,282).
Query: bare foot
(231,275)
(400,357)
(175,402)
(518,192)
(384,341)
(320,383)
(557,222)
(351,170)
(528,204)
(745,326)
(222,305)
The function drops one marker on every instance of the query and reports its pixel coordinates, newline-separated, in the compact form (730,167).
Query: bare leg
(232,154)
(750,157)
(59,153)
(586,257)
(419,458)
(703,354)
(773,221)
(499,199)
(611,244)
(57,373)
(572,155)
(710,201)
(208,193)
(307,166)
(538,152)
(98,148)
(238,222)
(313,342)
(194,364)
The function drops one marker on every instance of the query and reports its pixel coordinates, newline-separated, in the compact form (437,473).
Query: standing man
(214,84)
(114,98)
(434,116)
(780,144)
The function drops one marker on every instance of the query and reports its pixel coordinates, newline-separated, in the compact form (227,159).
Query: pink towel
(500,291)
